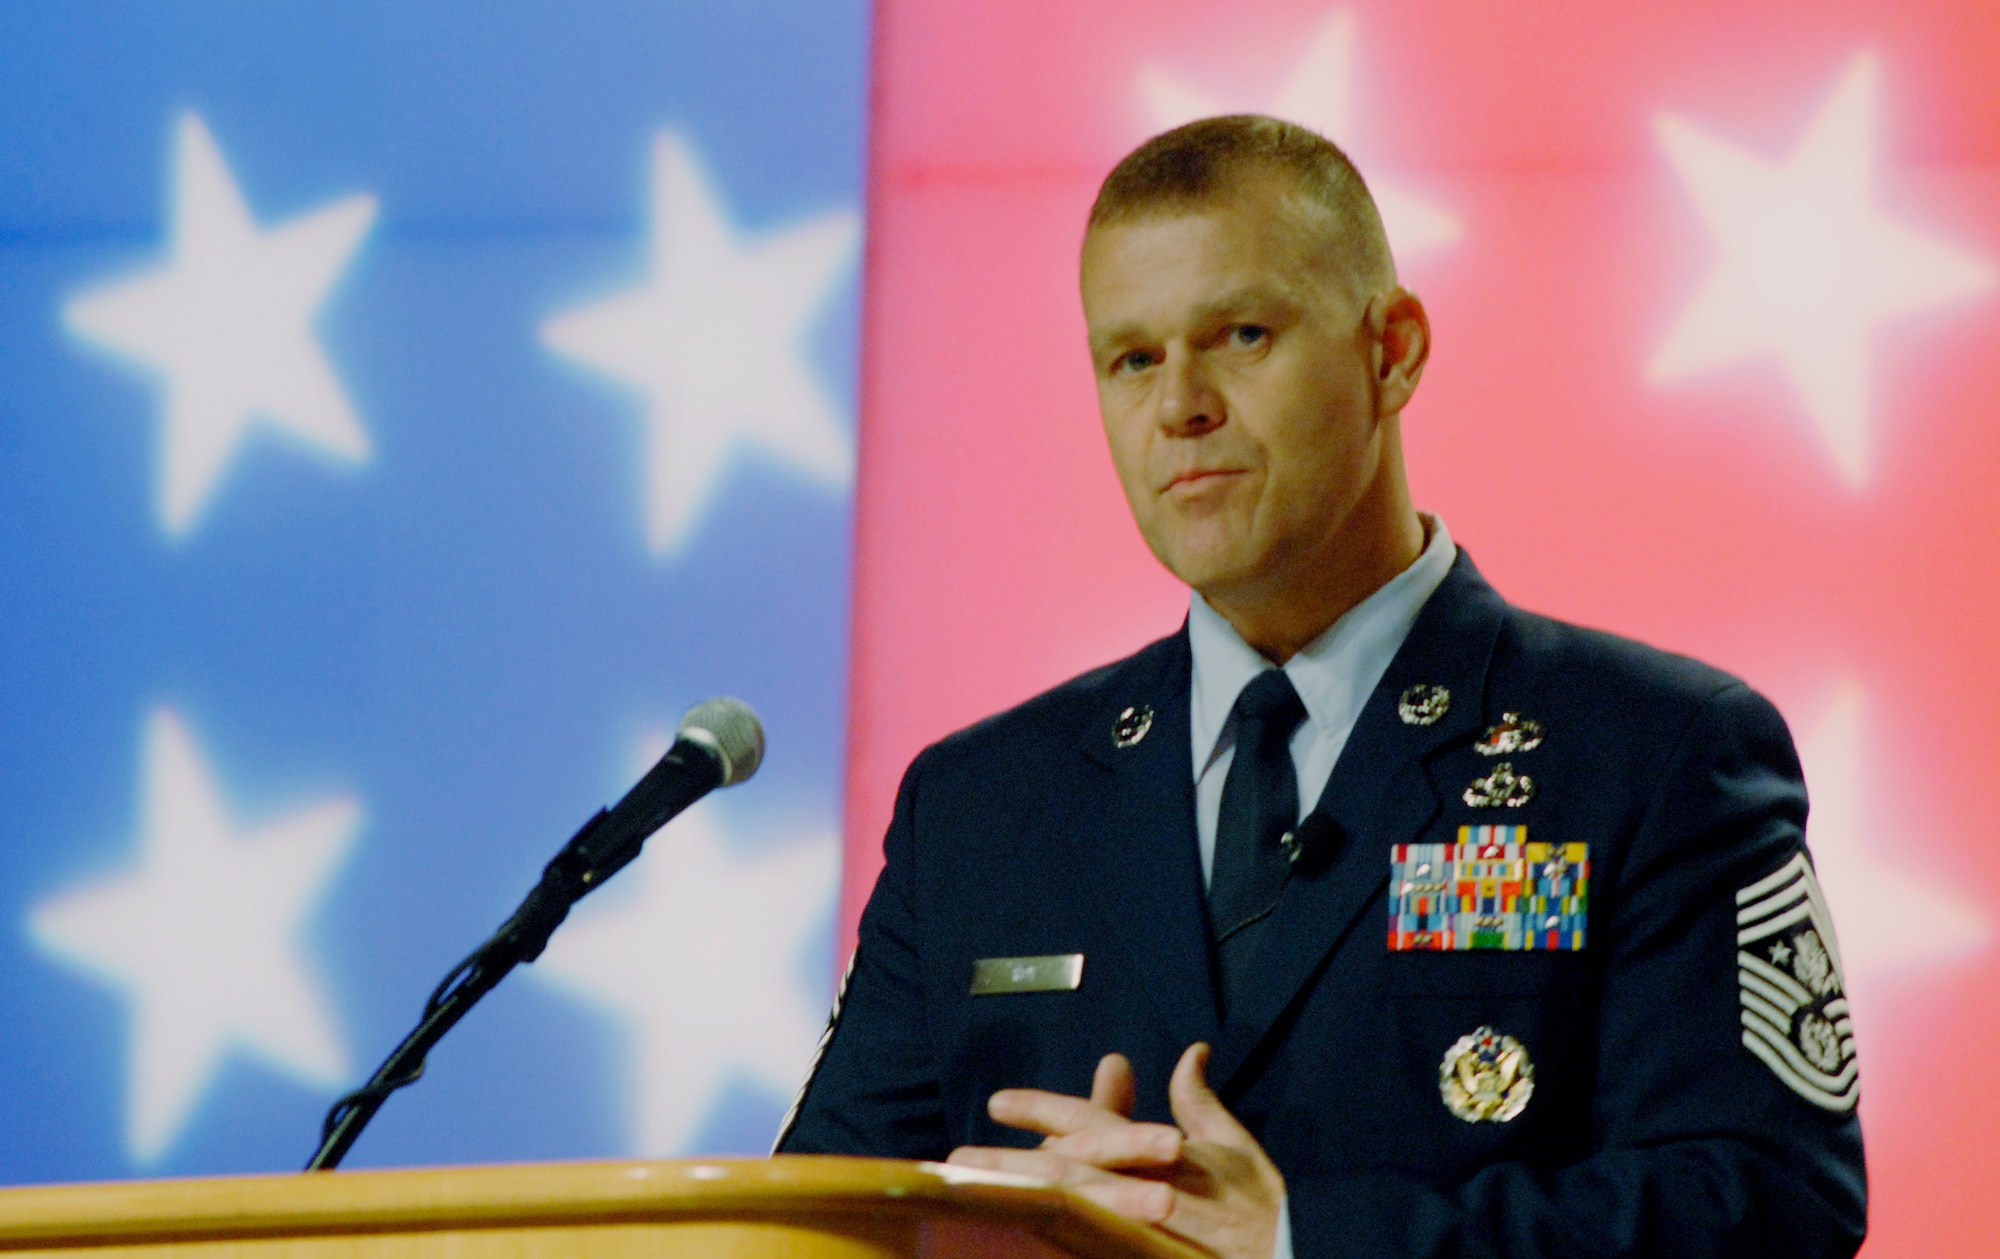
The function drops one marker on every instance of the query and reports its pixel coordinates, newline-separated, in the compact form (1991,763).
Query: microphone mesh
(733,727)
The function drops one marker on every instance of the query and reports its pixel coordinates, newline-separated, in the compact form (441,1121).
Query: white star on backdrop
(1317,94)
(701,961)
(1809,267)
(202,937)
(228,322)
(1890,909)
(716,341)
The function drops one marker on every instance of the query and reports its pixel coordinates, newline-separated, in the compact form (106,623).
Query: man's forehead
(1191,267)
(1239,235)
(1193,303)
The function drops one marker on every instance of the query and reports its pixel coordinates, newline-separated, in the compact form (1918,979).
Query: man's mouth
(1196,480)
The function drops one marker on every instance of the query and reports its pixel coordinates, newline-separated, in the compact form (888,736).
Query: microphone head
(730,728)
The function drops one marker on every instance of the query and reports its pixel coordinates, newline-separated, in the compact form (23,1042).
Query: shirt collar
(1334,673)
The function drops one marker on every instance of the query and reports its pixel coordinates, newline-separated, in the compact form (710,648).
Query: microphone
(720,743)
(1313,845)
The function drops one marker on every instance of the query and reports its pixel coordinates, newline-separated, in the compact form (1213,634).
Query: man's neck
(1280,624)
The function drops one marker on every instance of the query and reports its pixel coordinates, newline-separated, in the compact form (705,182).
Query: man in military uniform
(1366,915)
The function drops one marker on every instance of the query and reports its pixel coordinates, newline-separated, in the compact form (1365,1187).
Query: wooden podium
(797,1208)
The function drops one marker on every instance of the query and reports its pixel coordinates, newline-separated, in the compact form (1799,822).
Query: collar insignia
(1132,725)
(1423,705)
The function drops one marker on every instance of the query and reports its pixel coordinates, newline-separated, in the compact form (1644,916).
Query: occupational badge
(1794,994)
(1131,725)
(1512,733)
(1486,1077)
(1423,705)
(1490,890)
(1502,786)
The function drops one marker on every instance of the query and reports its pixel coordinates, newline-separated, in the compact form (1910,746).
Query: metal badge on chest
(1504,786)
(1486,1077)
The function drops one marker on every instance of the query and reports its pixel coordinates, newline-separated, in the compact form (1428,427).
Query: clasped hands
(1204,1178)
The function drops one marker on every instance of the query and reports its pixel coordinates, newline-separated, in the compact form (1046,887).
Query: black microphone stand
(607,842)
(522,939)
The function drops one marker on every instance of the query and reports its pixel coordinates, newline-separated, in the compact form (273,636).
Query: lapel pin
(1132,725)
(1502,786)
(1512,733)
(1423,705)
(1486,1077)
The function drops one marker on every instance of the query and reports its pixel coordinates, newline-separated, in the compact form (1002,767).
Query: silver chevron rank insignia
(1794,995)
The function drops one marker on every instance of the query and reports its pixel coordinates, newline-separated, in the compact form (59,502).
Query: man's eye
(1251,334)
(1137,360)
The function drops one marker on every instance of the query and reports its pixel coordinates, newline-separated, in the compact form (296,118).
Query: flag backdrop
(406,410)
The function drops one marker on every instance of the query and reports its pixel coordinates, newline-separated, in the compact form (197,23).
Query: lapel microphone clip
(1313,845)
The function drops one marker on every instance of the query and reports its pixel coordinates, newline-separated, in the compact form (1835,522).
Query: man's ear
(1400,331)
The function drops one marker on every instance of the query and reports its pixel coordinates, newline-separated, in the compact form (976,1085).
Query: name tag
(1490,890)
(1055,972)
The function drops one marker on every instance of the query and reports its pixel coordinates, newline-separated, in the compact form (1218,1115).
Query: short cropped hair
(1197,165)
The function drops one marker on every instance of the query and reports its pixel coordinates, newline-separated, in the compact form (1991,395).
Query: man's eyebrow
(1117,334)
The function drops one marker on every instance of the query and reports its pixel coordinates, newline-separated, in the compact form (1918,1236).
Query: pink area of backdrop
(1714,293)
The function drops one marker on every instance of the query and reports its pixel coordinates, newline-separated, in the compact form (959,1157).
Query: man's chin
(1217,577)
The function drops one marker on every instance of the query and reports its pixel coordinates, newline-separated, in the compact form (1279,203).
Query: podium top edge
(515,1195)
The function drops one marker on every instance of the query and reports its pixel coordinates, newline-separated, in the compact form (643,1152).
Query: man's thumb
(1198,1111)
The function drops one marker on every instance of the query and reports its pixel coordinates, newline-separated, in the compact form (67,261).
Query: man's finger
(1197,1109)
(1114,1087)
(1147,1201)
(1128,1145)
(1051,1114)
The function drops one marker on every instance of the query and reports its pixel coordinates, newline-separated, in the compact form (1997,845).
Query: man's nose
(1187,404)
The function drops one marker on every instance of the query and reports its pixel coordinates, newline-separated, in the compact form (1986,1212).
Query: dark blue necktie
(1260,803)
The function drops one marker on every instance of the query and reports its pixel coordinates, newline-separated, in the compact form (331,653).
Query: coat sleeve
(873,1087)
(1699,1147)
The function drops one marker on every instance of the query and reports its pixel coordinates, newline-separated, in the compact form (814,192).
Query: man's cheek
(1131,456)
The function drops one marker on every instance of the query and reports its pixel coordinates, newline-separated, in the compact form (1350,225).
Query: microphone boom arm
(521,939)
(720,743)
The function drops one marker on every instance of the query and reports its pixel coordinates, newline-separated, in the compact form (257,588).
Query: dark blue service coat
(1652,1129)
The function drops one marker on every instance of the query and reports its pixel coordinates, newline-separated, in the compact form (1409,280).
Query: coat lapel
(1379,795)
(1142,841)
